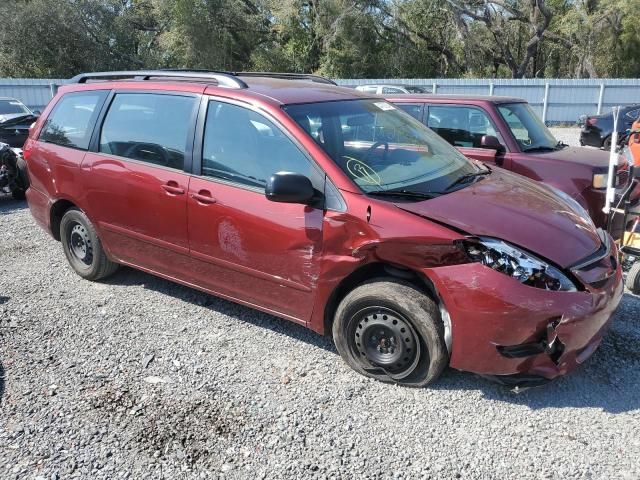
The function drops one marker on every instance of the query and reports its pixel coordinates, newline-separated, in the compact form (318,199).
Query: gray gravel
(140,378)
(569,135)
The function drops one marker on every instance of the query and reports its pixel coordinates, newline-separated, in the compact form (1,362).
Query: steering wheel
(138,151)
(373,147)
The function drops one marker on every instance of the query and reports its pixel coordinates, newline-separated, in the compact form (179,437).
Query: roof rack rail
(223,79)
(288,76)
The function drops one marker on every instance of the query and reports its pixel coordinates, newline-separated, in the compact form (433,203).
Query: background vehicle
(15,120)
(390,89)
(505,131)
(627,213)
(597,129)
(383,234)
(13,172)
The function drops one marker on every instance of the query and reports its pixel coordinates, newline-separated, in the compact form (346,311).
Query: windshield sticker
(384,106)
(362,171)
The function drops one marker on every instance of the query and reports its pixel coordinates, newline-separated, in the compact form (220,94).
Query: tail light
(27,149)
(591,121)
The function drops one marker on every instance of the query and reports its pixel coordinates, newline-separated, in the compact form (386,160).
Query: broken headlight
(518,264)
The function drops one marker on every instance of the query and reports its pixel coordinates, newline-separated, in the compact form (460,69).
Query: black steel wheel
(82,246)
(389,330)
(80,243)
(384,338)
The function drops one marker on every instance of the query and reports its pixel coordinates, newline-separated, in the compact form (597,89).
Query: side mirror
(287,187)
(489,141)
(37,113)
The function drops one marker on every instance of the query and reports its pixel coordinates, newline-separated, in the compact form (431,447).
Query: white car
(386,89)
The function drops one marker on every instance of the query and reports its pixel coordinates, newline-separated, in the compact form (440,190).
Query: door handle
(173,188)
(203,196)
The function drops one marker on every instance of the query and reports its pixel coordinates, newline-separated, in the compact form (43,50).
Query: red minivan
(329,208)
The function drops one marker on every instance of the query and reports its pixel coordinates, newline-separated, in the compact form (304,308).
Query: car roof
(387,85)
(300,91)
(277,89)
(455,98)
(10,99)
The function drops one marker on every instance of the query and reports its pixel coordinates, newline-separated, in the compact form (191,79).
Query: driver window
(461,126)
(147,127)
(244,147)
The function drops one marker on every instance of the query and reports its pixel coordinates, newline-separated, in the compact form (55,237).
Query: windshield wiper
(541,148)
(404,193)
(468,176)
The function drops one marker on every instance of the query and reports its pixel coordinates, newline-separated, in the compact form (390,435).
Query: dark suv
(15,120)
(329,208)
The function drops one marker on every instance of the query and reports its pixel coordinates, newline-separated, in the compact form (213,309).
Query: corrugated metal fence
(555,100)
(34,93)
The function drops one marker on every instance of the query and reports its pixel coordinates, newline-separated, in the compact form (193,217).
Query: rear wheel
(633,278)
(391,331)
(606,145)
(18,194)
(82,246)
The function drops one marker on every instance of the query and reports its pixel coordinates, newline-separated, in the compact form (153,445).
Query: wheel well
(57,211)
(367,272)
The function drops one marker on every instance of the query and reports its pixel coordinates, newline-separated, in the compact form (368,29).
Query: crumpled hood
(518,210)
(9,120)
(582,155)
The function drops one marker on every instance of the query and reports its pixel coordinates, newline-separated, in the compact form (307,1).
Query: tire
(369,321)
(606,144)
(82,246)
(18,194)
(633,278)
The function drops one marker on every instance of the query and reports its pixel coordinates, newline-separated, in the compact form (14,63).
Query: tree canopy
(337,38)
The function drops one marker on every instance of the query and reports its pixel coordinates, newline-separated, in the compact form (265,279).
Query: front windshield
(380,147)
(416,89)
(529,131)
(10,107)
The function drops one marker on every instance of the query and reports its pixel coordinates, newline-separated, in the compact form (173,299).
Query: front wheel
(633,278)
(82,246)
(391,331)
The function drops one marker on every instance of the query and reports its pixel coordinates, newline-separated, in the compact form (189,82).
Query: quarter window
(151,128)
(71,121)
(244,147)
(461,126)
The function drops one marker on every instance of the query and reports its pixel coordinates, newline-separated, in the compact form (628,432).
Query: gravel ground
(141,378)
(569,135)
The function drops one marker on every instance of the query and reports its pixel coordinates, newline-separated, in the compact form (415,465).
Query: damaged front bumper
(520,335)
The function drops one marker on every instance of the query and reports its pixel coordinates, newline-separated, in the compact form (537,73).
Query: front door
(135,183)
(249,248)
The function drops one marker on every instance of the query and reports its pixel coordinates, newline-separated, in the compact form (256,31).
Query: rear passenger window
(461,126)
(148,127)
(71,121)
(244,147)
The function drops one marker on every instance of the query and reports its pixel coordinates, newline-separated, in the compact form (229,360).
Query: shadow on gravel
(609,381)
(1,382)
(129,276)
(9,205)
